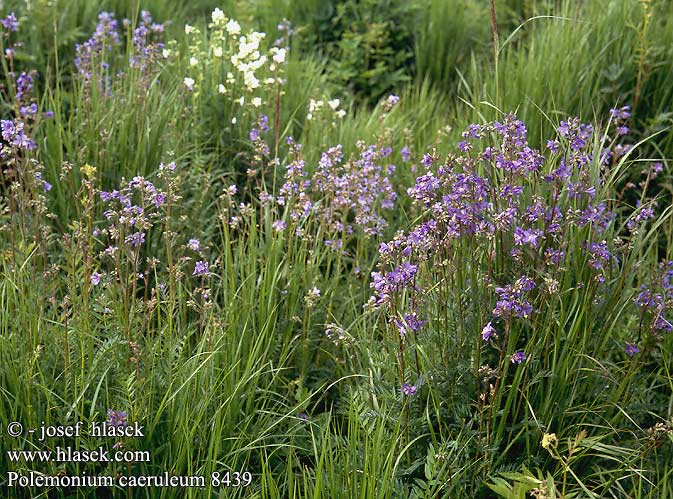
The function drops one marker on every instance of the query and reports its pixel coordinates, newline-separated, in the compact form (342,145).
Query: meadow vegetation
(363,249)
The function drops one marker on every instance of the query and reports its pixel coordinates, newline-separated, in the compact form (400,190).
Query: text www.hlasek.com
(70,455)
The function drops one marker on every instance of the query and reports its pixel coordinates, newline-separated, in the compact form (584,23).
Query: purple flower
(361,187)
(194,244)
(136,239)
(392,99)
(170,166)
(13,133)
(333,244)
(89,54)
(622,113)
(406,272)
(116,418)
(527,236)
(95,278)
(510,302)
(525,284)
(597,215)
(553,256)
(10,22)
(464,146)
(488,332)
(279,225)
(631,349)
(553,146)
(599,254)
(563,129)
(408,390)
(24,85)
(661,324)
(263,122)
(411,322)
(474,131)
(28,110)
(645,298)
(518,357)
(406,154)
(200,268)
(425,187)
(427,160)
(159,199)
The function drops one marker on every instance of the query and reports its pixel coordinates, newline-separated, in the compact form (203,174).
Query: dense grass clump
(336,249)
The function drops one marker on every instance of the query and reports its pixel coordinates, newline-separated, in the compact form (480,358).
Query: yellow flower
(88,170)
(549,440)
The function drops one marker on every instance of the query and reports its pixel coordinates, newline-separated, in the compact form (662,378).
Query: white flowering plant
(231,74)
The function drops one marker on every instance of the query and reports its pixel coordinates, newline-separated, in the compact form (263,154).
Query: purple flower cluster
(10,23)
(201,268)
(27,111)
(597,215)
(130,213)
(46,186)
(655,300)
(136,239)
(488,332)
(410,323)
(359,187)
(14,137)
(599,254)
(408,390)
(459,201)
(146,51)
(524,216)
(640,216)
(24,86)
(512,301)
(530,237)
(91,55)
(256,133)
(94,57)
(296,188)
(116,419)
(620,117)
(631,349)
(518,357)
(389,284)
(286,31)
